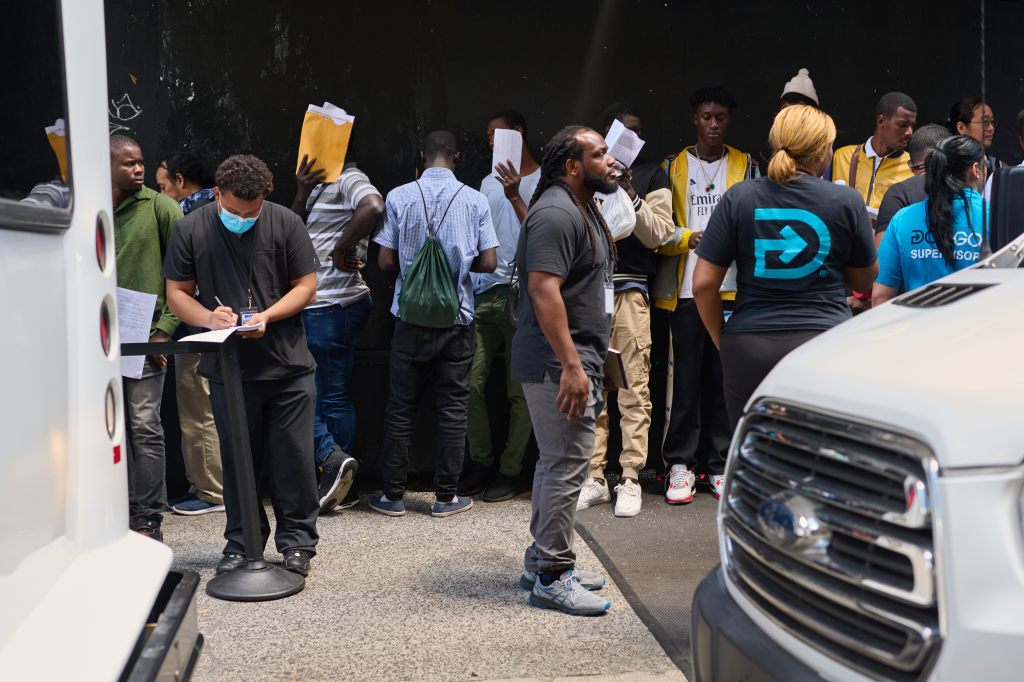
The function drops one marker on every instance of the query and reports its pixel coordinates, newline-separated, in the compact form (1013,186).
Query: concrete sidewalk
(413,598)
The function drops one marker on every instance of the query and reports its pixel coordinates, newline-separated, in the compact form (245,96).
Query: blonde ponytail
(782,167)
(800,135)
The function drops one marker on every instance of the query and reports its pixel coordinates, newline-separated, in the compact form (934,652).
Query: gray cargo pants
(147,488)
(564,461)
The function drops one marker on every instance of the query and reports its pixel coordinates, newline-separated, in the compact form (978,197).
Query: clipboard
(615,370)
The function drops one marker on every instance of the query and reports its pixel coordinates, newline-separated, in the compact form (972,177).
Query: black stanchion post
(255,580)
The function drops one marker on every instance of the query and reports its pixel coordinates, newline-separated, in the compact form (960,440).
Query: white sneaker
(680,485)
(718,485)
(627,498)
(594,491)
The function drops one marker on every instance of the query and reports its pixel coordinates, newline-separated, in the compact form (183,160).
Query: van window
(34,172)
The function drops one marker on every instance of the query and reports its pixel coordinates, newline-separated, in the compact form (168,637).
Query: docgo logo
(789,245)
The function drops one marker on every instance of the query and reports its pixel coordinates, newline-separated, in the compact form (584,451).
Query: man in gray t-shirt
(558,353)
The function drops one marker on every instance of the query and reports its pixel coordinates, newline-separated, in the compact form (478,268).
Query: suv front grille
(828,530)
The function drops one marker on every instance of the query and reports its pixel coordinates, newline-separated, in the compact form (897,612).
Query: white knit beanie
(802,85)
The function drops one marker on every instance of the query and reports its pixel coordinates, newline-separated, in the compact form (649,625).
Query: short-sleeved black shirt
(555,239)
(791,243)
(898,197)
(276,251)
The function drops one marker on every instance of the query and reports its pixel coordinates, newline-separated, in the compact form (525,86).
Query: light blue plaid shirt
(465,232)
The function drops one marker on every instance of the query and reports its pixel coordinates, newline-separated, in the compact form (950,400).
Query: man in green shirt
(144,221)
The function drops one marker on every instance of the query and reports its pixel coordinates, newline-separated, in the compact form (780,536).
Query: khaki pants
(631,335)
(200,445)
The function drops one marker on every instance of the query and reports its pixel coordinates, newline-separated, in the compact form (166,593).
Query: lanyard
(245,278)
(608,266)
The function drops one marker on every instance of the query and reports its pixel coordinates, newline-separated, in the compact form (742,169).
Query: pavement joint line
(667,676)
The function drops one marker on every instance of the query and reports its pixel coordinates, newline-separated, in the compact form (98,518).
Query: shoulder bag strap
(423,198)
(450,202)
(316,197)
(515,258)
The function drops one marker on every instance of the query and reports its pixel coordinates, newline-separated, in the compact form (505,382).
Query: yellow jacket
(672,254)
(871,182)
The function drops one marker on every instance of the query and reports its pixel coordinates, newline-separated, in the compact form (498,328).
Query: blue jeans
(332,333)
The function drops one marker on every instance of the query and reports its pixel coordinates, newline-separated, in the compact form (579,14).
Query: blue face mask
(234,223)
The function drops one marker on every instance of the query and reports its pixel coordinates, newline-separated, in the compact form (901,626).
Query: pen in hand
(222,317)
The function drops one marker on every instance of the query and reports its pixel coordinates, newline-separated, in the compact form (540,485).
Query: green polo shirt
(143,225)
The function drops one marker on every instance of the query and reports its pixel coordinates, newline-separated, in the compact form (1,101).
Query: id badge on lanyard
(609,287)
(248,311)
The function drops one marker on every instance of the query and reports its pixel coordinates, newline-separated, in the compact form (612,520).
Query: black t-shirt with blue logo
(790,244)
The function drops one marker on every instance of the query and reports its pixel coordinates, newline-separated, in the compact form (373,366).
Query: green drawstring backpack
(428,297)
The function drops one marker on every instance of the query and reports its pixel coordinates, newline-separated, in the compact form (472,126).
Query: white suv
(871,526)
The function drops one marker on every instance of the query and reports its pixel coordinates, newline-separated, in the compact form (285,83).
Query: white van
(81,597)
(872,525)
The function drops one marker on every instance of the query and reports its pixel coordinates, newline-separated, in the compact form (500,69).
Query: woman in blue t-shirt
(942,234)
(798,242)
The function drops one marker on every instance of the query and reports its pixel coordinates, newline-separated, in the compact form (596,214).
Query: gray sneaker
(588,579)
(568,596)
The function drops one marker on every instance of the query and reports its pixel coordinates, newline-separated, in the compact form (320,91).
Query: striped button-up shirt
(464,232)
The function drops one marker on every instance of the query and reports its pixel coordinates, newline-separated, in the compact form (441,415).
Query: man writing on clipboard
(254,264)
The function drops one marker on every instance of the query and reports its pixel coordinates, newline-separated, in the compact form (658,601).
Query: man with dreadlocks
(565,253)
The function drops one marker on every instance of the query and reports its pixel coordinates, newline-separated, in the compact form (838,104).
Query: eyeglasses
(985,122)
(915,166)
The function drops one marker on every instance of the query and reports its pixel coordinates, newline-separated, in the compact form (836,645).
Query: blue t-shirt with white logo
(791,244)
(908,257)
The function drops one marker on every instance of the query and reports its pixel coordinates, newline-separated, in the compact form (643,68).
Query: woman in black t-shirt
(798,243)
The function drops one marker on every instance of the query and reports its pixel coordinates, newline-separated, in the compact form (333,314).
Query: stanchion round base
(255,581)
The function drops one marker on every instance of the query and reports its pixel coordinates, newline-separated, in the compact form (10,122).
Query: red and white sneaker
(681,482)
(718,485)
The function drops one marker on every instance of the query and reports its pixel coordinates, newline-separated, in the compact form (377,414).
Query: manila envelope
(55,134)
(326,139)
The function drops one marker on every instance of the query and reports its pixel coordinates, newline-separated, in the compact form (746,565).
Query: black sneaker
(473,480)
(229,562)
(150,529)
(297,561)
(337,473)
(502,488)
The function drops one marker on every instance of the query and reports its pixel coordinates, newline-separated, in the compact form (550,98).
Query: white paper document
(333,112)
(221,335)
(508,146)
(623,143)
(134,320)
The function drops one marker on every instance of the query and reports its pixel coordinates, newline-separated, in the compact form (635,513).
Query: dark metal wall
(223,76)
